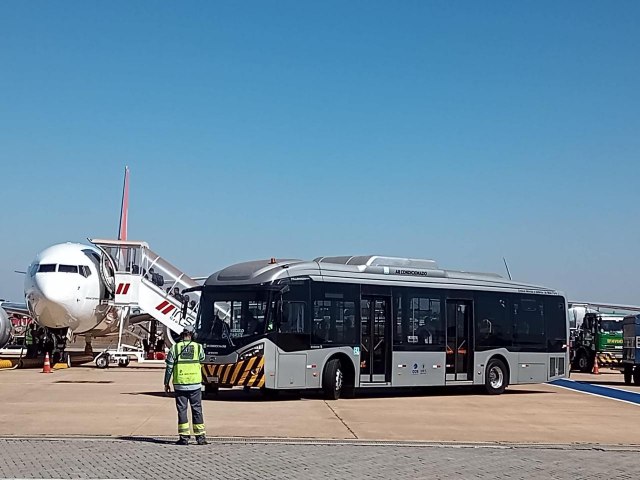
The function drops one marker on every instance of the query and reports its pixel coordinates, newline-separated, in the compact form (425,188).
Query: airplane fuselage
(63,289)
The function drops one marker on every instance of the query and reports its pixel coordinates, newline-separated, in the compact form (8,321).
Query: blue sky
(458,131)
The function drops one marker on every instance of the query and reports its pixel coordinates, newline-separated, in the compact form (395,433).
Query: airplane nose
(51,301)
(53,289)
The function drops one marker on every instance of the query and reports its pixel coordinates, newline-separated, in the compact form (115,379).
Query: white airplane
(64,289)
(69,288)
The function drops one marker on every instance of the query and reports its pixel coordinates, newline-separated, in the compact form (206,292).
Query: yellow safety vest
(28,337)
(186,366)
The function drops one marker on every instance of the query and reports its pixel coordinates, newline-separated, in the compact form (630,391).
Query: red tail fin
(124,209)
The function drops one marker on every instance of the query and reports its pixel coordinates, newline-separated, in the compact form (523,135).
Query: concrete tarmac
(85,401)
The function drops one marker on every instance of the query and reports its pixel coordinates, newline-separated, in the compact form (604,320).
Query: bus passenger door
(459,355)
(375,346)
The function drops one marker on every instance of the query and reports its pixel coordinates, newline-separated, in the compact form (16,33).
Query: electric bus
(339,324)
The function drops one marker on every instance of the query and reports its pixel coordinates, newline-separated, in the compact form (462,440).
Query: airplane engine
(5,328)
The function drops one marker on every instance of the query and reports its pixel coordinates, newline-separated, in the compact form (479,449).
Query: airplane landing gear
(88,347)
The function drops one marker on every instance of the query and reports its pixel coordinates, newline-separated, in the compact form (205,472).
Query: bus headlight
(253,351)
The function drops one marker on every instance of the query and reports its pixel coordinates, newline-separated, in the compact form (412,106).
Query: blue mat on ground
(587,387)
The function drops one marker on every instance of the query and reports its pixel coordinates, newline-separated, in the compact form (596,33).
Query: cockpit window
(47,267)
(84,270)
(92,255)
(68,268)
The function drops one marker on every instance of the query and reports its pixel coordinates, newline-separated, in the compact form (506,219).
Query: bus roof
(375,269)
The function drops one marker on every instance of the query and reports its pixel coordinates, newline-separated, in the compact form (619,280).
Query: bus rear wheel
(332,379)
(495,377)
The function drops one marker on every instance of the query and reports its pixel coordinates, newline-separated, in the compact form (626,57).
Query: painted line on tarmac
(170,440)
(625,396)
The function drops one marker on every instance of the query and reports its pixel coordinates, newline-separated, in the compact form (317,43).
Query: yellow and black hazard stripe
(606,359)
(245,373)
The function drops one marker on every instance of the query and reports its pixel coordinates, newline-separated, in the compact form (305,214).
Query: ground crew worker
(30,341)
(183,362)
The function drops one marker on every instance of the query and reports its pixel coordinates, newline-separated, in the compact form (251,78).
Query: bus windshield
(230,313)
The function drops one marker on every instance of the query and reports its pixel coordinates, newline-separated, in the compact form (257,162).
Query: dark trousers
(183,398)
(32,350)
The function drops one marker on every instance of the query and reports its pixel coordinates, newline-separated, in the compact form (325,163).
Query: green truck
(599,336)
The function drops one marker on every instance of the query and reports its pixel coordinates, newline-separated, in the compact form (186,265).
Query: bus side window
(334,313)
(418,319)
(555,324)
(493,325)
(528,317)
(294,318)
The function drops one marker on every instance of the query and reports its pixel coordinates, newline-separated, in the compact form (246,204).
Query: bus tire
(636,375)
(332,379)
(210,390)
(348,391)
(269,393)
(495,377)
(628,374)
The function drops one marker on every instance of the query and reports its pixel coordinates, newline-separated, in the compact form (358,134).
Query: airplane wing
(626,308)
(15,308)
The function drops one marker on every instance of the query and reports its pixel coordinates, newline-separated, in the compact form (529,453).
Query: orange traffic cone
(47,366)
(596,370)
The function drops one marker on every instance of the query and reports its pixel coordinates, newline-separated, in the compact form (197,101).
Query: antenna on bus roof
(507,267)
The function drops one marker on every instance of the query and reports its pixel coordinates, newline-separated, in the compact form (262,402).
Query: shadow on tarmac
(160,441)
(254,395)
(115,368)
(84,381)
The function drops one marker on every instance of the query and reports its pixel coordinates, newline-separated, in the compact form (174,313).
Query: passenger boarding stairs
(134,276)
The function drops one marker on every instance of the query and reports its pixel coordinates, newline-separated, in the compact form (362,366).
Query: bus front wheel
(332,379)
(210,390)
(495,377)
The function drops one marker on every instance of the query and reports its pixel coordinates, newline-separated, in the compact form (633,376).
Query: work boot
(202,440)
(183,440)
